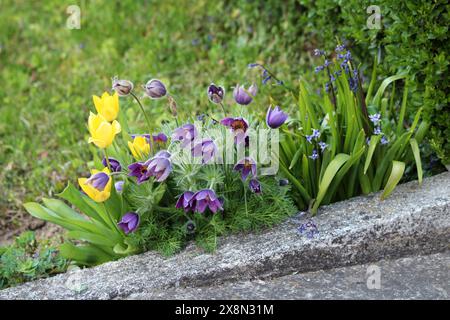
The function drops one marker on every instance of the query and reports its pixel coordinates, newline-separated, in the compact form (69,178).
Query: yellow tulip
(107,105)
(102,132)
(98,186)
(140,147)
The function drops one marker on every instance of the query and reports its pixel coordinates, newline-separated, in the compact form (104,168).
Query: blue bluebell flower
(384,140)
(375,118)
(323,145)
(318,52)
(318,69)
(266,79)
(314,155)
(377,131)
(315,134)
(309,228)
(340,47)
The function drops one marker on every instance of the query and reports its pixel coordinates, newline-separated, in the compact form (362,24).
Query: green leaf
(88,255)
(295,159)
(402,109)
(80,201)
(92,238)
(373,144)
(398,168)
(416,152)
(328,176)
(377,98)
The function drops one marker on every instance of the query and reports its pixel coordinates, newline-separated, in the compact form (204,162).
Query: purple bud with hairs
(129,222)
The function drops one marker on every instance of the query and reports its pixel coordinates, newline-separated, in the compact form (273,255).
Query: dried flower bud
(122,87)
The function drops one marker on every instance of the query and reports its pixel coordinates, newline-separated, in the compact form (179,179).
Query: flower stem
(143,111)
(245,198)
(223,108)
(113,224)
(107,160)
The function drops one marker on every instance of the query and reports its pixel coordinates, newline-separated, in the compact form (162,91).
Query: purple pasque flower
(275,118)
(206,149)
(323,145)
(215,93)
(238,126)
(140,171)
(119,186)
(186,134)
(155,89)
(98,180)
(246,166)
(184,201)
(129,222)
(243,96)
(115,164)
(254,185)
(314,155)
(375,118)
(159,137)
(160,166)
(205,198)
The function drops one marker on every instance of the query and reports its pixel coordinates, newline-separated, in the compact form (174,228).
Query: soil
(13,223)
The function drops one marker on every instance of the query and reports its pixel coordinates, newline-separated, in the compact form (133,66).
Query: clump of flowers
(157,189)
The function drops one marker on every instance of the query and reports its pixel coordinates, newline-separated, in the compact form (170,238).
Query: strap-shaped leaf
(398,168)
(328,176)
(372,145)
(416,153)
(92,238)
(80,201)
(87,255)
(377,98)
(295,159)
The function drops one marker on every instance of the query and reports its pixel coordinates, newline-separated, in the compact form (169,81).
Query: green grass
(49,73)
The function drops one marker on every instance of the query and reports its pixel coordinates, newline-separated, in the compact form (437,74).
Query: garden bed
(363,229)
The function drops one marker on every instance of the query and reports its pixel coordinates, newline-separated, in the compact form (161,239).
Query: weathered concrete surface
(417,277)
(414,220)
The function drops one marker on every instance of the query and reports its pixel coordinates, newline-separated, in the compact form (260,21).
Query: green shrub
(28,259)
(413,38)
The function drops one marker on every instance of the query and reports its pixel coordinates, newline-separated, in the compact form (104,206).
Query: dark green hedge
(413,37)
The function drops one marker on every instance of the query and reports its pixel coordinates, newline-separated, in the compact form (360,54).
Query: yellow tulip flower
(102,132)
(140,147)
(98,186)
(107,105)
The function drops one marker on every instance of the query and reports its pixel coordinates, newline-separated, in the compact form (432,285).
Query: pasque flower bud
(155,89)
(122,87)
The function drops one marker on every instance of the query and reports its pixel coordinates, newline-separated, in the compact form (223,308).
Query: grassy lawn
(49,73)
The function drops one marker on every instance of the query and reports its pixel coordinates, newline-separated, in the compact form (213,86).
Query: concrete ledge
(414,220)
(416,277)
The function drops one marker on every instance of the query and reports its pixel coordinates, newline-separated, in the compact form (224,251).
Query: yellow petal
(104,133)
(87,188)
(98,103)
(133,151)
(94,122)
(105,95)
(116,127)
(116,102)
